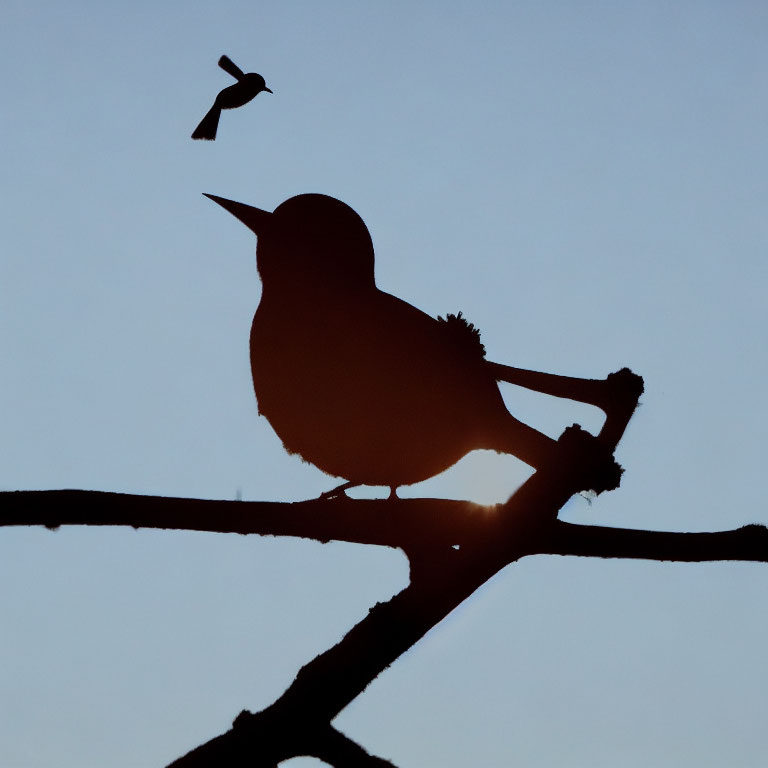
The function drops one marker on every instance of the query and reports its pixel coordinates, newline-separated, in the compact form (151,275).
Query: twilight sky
(586,181)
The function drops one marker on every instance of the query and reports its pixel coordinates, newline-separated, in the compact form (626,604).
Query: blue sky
(585,181)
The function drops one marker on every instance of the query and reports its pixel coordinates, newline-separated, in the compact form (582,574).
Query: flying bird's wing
(231,68)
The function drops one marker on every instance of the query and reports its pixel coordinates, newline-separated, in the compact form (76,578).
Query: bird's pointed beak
(254,218)
(268,90)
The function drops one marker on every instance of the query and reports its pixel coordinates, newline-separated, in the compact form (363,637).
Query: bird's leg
(393,492)
(616,395)
(515,437)
(338,491)
(617,392)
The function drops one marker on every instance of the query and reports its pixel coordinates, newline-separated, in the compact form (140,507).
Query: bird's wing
(230,67)
(398,325)
(368,387)
(411,352)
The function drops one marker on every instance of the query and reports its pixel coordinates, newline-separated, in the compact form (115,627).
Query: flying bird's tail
(231,68)
(208,125)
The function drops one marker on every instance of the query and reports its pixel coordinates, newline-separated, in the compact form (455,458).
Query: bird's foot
(338,492)
(589,460)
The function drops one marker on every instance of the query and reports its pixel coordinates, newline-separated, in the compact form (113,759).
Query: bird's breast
(236,95)
(367,390)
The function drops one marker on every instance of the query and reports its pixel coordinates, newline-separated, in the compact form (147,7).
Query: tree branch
(391,522)
(454,547)
(442,576)
(750,542)
(267,740)
(340,751)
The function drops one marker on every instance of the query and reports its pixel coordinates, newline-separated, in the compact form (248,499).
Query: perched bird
(246,88)
(354,380)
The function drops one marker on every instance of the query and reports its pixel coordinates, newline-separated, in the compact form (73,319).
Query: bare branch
(441,579)
(454,547)
(390,522)
(340,751)
(266,739)
(750,542)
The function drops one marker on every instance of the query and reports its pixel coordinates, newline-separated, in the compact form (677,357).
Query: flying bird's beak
(268,90)
(254,218)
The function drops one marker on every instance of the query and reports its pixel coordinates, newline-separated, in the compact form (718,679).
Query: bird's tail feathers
(230,67)
(208,125)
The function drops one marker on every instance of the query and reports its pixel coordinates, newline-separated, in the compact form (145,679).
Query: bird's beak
(268,90)
(254,218)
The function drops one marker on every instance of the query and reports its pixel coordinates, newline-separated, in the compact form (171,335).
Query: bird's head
(257,82)
(309,241)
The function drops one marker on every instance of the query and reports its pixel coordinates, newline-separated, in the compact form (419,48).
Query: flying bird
(246,88)
(358,382)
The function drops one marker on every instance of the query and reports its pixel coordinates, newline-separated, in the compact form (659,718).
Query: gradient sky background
(586,181)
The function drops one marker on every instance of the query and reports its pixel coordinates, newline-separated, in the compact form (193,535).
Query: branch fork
(467,544)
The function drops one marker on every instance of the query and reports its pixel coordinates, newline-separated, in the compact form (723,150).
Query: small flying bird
(366,386)
(246,88)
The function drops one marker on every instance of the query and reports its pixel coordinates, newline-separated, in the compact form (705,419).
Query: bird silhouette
(245,89)
(354,380)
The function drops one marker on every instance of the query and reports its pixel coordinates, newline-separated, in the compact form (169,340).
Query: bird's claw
(331,495)
(339,492)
